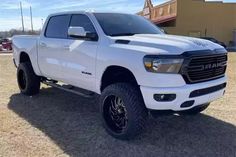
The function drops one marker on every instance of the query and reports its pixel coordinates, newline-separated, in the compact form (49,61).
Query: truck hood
(164,44)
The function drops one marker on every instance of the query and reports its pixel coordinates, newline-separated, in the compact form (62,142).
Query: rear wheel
(196,110)
(28,81)
(123,111)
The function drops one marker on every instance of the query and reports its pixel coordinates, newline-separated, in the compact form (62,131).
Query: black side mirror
(92,36)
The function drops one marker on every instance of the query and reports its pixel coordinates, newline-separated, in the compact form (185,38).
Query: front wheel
(28,81)
(123,111)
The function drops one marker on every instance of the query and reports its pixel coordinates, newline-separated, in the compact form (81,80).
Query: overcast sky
(10,12)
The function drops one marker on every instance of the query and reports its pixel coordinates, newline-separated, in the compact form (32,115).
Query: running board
(71,89)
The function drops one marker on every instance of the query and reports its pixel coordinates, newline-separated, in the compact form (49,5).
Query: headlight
(163,65)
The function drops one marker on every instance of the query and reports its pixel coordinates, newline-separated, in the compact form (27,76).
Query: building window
(169,9)
(161,11)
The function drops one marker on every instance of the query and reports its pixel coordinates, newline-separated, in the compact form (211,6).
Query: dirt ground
(57,123)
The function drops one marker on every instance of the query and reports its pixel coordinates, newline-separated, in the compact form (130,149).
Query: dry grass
(57,123)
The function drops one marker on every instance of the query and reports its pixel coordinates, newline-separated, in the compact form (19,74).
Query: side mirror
(79,32)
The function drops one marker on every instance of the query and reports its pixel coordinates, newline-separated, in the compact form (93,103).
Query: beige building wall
(234,15)
(234,25)
(199,18)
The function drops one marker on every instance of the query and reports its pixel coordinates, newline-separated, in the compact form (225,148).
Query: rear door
(52,50)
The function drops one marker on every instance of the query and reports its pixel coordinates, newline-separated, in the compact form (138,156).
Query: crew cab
(134,67)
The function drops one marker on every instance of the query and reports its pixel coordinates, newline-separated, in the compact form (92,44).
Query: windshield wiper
(123,34)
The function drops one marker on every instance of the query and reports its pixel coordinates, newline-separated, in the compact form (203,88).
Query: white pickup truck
(134,67)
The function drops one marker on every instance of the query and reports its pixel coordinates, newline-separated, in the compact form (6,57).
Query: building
(196,18)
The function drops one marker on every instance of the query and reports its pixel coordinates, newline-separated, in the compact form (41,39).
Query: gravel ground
(57,123)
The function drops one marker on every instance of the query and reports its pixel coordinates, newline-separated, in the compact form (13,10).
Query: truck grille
(205,68)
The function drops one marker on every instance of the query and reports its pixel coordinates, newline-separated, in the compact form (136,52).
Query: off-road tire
(28,81)
(137,113)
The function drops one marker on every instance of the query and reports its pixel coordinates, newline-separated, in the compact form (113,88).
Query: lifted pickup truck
(134,67)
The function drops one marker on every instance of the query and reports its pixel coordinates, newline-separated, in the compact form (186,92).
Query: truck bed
(24,43)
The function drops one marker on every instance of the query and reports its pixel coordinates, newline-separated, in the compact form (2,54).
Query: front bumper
(182,95)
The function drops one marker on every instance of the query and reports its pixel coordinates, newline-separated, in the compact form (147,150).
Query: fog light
(187,104)
(164,97)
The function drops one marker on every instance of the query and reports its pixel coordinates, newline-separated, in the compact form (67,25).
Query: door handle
(43,44)
(67,47)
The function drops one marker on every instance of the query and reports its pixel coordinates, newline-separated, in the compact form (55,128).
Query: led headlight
(163,65)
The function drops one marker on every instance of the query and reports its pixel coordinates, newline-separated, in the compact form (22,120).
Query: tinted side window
(82,21)
(58,26)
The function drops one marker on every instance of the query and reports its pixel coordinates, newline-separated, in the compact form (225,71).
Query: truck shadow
(73,123)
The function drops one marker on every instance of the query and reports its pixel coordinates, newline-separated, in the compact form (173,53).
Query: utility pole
(31,18)
(42,24)
(22,18)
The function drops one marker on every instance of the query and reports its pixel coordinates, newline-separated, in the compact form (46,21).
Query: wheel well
(117,74)
(24,57)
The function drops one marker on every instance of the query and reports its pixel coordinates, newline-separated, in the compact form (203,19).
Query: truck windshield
(115,24)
